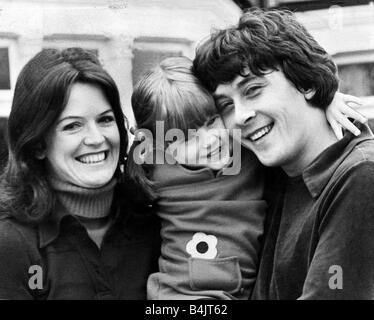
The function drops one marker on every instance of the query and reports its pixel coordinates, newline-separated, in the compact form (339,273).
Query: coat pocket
(215,274)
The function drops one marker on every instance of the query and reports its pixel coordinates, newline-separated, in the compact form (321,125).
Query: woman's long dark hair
(41,94)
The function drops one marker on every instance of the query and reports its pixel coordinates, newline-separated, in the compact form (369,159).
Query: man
(273,81)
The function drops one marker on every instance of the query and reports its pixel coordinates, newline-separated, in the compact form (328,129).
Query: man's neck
(319,139)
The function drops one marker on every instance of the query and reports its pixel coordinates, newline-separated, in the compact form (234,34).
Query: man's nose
(243,113)
(94,136)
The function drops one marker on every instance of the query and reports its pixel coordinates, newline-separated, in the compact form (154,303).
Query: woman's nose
(94,136)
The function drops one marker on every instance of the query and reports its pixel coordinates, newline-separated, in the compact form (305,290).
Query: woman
(65,233)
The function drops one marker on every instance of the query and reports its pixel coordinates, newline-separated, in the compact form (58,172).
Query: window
(3,143)
(357,79)
(149,51)
(147,59)
(90,42)
(94,51)
(4,69)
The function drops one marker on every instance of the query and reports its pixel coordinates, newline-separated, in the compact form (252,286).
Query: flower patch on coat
(202,246)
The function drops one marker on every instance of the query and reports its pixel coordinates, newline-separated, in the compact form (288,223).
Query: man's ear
(308,94)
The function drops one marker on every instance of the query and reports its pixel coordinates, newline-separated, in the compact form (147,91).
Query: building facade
(129,36)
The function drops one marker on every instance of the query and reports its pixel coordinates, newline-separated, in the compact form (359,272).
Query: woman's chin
(94,181)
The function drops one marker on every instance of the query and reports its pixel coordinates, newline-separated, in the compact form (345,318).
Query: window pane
(94,51)
(4,69)
(357,79)
(3,144)
(147,59)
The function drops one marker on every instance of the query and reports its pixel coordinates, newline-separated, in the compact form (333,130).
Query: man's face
(271,114)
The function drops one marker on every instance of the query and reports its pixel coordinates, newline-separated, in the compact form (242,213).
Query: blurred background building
(345,28)
(130,36)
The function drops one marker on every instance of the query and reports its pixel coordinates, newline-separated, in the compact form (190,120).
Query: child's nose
(209,140)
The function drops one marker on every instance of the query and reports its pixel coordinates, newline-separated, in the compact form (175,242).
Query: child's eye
(71,126)
(211,121)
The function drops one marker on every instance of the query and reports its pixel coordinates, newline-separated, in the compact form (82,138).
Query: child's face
(209,147)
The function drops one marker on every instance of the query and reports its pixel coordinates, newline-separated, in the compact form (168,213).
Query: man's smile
(260,133)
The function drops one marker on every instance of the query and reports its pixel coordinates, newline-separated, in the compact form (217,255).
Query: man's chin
(267,161)
(248,145)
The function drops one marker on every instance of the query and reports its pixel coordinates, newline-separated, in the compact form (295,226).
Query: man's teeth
(259,134)
(92,158)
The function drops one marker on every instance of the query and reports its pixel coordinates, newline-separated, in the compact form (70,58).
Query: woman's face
(83,145)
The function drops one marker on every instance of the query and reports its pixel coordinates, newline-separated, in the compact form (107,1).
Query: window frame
(163,45)
(358,57)
(8,40)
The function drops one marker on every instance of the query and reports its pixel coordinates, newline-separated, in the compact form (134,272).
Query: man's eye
(251,91)
(71,126)
(222,105)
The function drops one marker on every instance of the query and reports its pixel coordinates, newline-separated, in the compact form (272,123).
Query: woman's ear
(40,155)
(40,152)
(308,94)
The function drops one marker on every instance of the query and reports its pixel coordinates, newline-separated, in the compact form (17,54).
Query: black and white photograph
(189,152)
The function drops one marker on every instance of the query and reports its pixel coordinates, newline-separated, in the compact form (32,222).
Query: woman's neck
(90,203)
(92,207)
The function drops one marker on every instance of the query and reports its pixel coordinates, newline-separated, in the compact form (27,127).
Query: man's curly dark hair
(263,41)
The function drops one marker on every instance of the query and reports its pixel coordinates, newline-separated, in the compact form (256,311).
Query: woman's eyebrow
(107,111)
(68,118)
(80,117)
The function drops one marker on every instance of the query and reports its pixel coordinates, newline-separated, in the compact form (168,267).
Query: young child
(212,222)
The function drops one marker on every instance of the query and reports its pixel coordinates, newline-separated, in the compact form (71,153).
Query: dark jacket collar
(320,171)
(50,228)
(130,220)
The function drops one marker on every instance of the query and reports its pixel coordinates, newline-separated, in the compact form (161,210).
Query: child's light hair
(170,93)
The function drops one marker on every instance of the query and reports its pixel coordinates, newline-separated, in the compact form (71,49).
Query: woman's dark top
(58,260)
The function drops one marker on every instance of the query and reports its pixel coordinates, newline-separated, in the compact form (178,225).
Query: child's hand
(341,108)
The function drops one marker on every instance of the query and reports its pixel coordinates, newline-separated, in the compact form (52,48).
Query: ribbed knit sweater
(92,206)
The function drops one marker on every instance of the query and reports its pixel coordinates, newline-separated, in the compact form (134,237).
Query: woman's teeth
(92,158)
(260,133)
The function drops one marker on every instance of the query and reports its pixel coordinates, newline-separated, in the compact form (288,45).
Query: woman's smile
(93,158)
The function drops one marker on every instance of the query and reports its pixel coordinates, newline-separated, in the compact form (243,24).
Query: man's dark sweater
(319,240)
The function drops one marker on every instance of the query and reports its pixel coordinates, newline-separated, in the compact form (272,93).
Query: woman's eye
(107,119)
(71,126)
